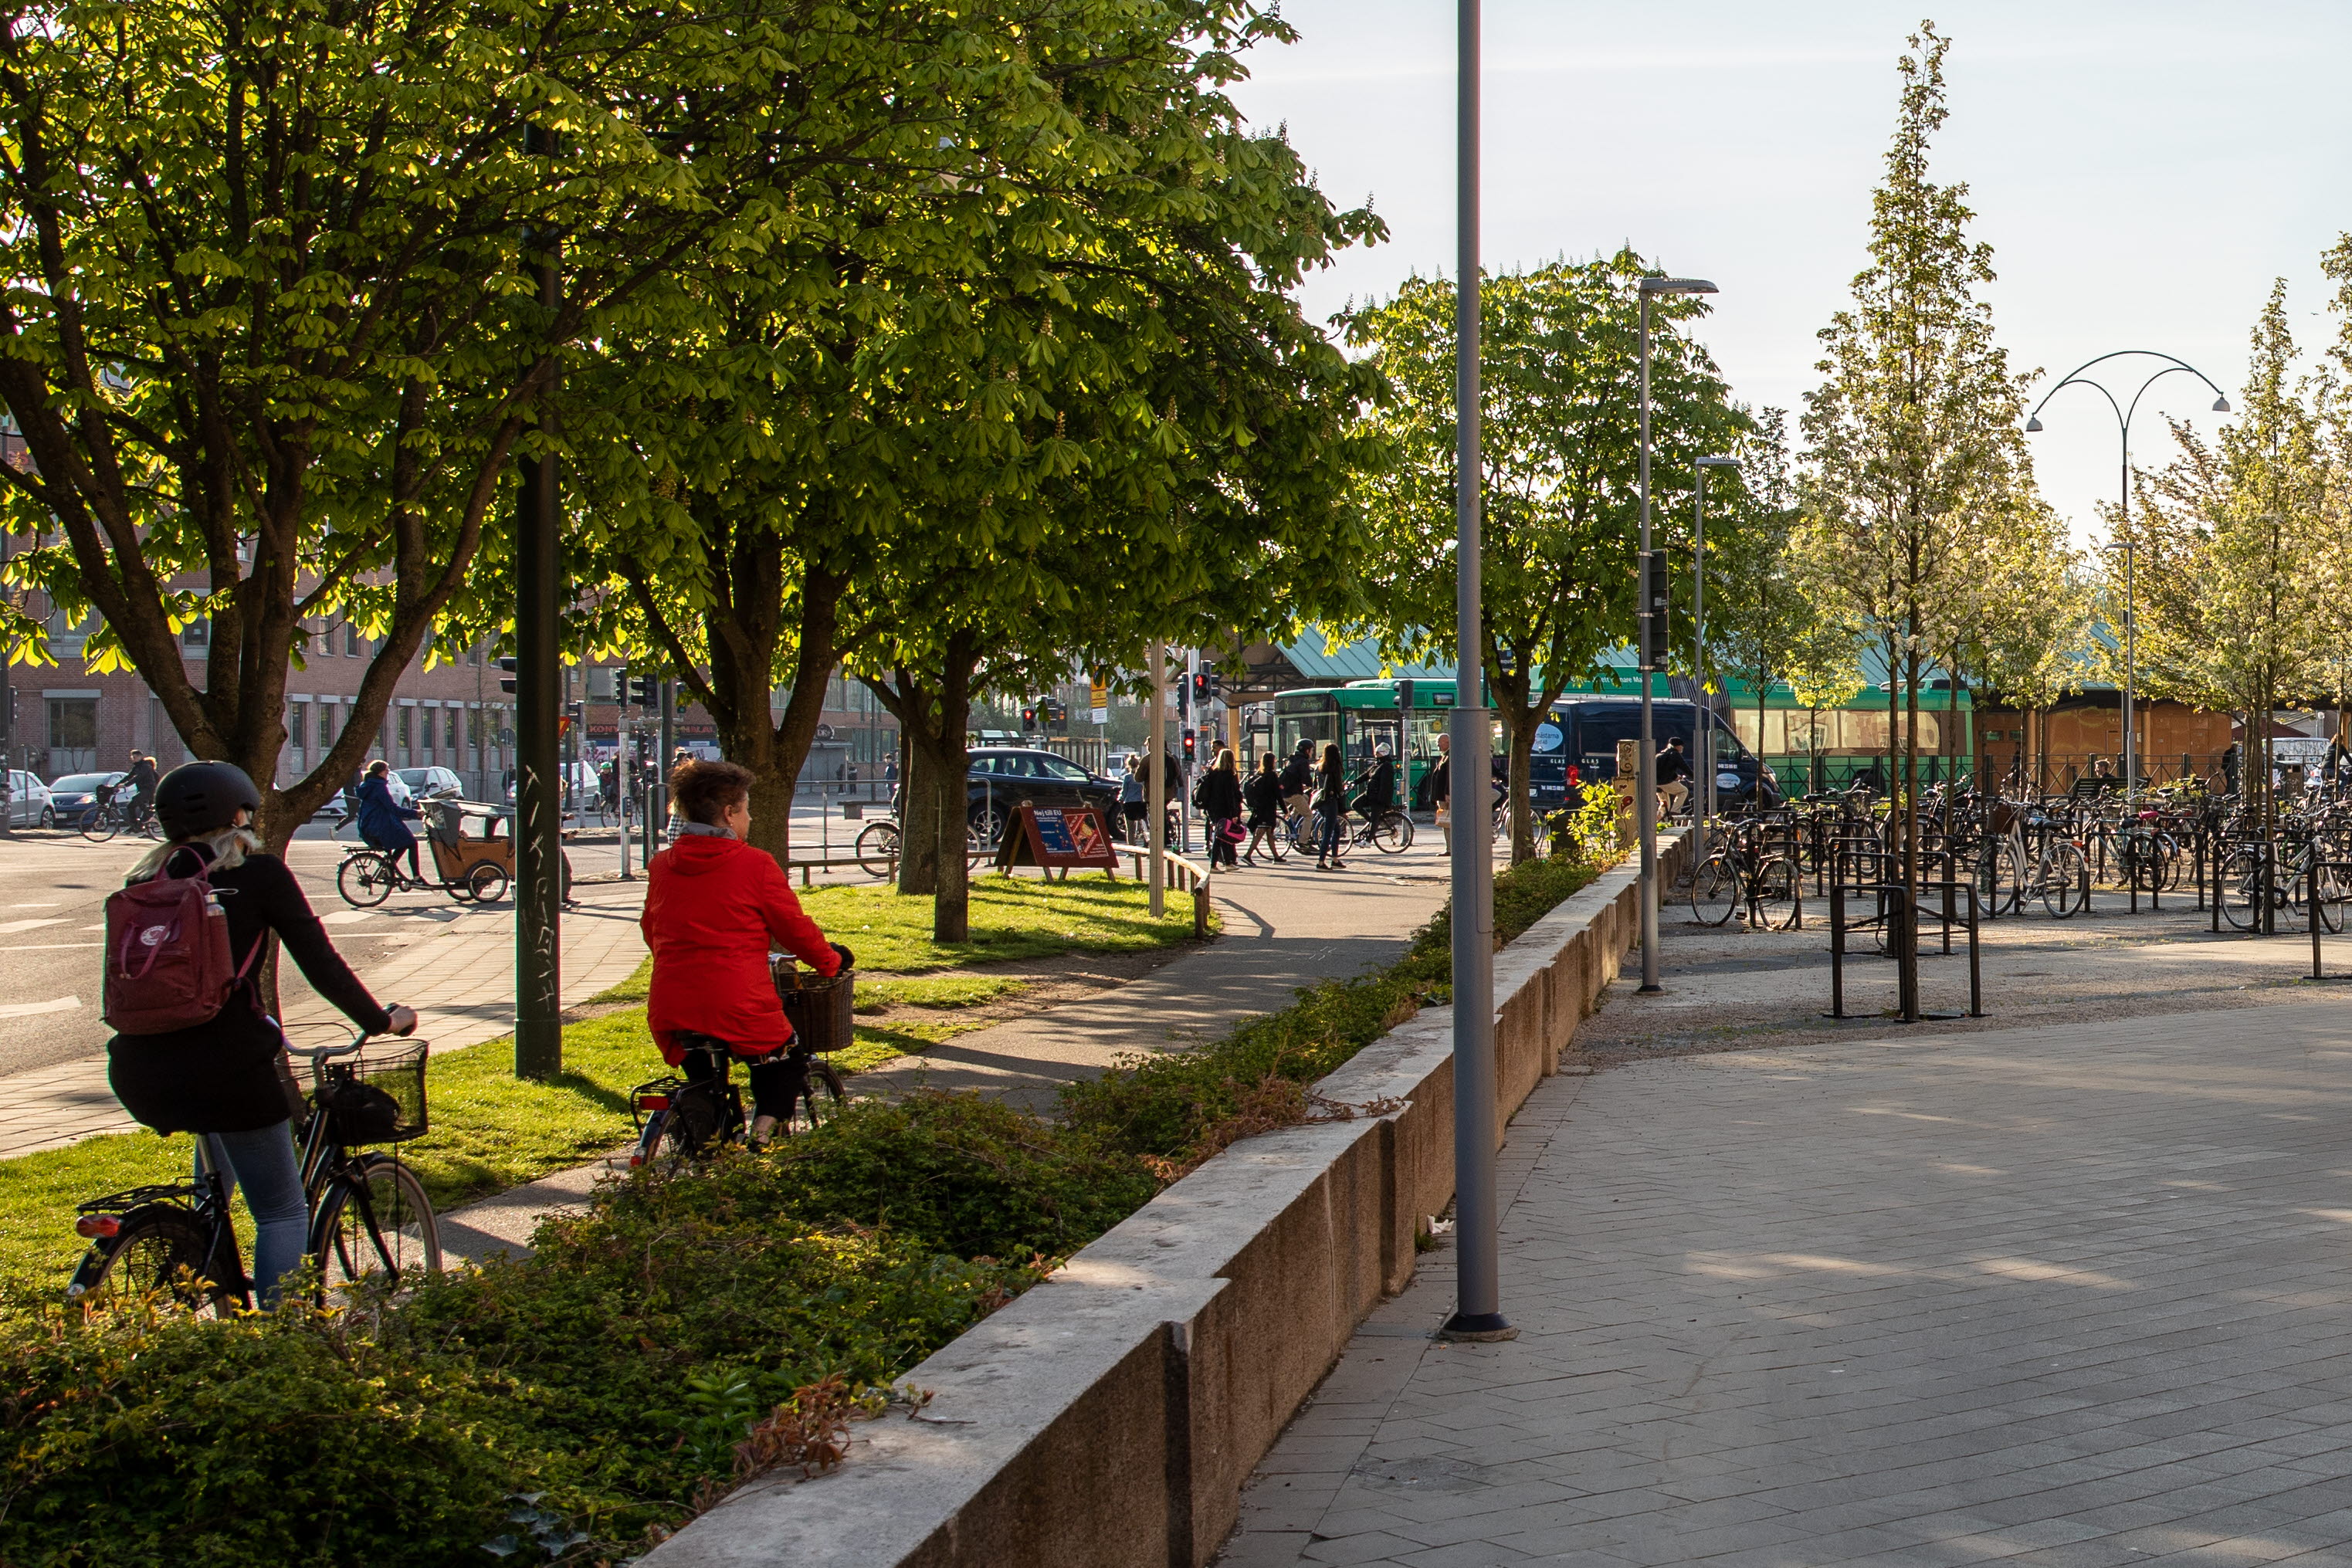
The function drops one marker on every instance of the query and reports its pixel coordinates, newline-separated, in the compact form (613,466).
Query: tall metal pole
(2131,735)
(1699,669)
(1477,1303)
(538,787)
(1155,777)
(1645,786)
(669,749)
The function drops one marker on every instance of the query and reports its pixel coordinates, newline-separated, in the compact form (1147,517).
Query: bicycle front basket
(377,1096)
(820,1009)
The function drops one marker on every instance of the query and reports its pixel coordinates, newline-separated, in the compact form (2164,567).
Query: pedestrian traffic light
(1183,697)
(1652,610)
(1202,689)
(1028,719)
(507,681)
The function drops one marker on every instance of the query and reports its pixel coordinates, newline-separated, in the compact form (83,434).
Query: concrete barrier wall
(1111,1414)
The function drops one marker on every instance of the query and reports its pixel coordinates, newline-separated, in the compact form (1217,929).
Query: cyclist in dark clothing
(1674,771)
(140,781)
(1380,787)
(1220,800)
(227,1077)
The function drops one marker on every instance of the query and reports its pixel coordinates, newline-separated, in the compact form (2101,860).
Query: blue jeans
(1326,835)
(264,1163)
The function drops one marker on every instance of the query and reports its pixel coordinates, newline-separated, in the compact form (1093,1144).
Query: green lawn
(492,1131)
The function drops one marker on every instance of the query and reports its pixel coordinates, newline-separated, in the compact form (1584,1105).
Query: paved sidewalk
(463,958)
(1284,927)
(2075,1296)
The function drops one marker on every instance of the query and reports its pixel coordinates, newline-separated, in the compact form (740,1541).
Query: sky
(2143,172)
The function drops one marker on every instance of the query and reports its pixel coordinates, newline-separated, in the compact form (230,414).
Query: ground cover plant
(493,1131)
(687,1330)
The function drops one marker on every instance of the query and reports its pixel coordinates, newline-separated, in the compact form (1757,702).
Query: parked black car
(1001,778)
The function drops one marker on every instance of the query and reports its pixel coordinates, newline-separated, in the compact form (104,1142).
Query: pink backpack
(167,954)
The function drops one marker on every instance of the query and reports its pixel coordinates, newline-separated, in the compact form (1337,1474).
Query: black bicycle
(1391,831)
(118,811)
(678,1118)
(370,1220)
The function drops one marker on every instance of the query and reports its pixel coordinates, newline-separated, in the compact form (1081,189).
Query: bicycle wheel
(2000,876)
(373,1222)
(2240,890)
(486,883)
(1392,834)
(161,1249)
(1776,889)
(2065,881)
(99,823)
(2332,894)
(819,1098)
(1714,890)
(878,851)
(366,879)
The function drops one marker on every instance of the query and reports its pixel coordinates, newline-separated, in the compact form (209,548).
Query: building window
(449,730)
(407,727)
(197,634)
(298,726)
(73,724)
(351,645)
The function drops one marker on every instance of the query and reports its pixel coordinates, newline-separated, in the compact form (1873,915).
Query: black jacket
(1380,785)
(1221,795)
(1262,794)
(1297,773)
(141,779)
(223,1076)
(1672,766)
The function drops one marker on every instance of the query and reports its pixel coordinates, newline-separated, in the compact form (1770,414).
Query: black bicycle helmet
(199,798)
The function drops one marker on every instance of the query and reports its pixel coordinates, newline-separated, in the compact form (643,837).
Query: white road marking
(345,916)
(50,905)
(26,1009)
(10,927)
(52,947)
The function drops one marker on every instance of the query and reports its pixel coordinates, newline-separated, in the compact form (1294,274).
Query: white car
(28,800)
(409,783)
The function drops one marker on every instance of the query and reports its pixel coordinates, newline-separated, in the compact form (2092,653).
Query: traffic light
(1213,683)
(507,680)
(644,691)
(1202,689)
(1054,712)
(1652,610)
(1028,719)
(1189,748)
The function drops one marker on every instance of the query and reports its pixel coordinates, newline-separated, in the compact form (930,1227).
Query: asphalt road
(53,889)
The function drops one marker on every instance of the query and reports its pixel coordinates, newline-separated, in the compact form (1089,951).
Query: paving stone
(2073,1296)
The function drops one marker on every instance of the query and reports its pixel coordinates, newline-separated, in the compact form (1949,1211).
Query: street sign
(1098,699)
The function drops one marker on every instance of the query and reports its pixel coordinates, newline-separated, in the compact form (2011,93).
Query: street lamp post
(1698,668)
(1649,655)
(2124,413)
(1477,1301)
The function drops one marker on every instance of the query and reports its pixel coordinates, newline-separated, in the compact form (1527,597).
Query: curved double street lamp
(2123,413)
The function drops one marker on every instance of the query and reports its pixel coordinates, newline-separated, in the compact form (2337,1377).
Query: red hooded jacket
(714,908)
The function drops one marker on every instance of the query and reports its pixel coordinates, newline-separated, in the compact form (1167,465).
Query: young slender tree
(1913,436)
(2238,550)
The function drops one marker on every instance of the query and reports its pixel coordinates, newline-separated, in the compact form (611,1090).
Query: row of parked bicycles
(2249,867)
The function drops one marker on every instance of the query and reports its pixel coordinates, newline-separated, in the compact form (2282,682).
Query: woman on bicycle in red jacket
(715,907)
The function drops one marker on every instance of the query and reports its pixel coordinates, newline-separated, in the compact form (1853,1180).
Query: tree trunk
(919,810)
(933,821)
(1520,736)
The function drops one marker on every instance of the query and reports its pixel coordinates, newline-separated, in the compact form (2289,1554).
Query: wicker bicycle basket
(821,1010)
(376,1097)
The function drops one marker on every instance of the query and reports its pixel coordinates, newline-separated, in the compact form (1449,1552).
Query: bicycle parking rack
(2311,902)
(1899,915)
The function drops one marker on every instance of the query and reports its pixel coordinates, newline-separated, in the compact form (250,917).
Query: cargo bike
(471,868)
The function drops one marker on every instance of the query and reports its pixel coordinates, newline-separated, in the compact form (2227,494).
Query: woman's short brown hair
(707,792)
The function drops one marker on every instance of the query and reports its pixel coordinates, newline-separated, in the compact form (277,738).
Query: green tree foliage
(1036,410)
(1914,449)
(272,333)
(2239,548)
(1559,360)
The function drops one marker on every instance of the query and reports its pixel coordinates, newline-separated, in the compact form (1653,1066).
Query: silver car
(28,800)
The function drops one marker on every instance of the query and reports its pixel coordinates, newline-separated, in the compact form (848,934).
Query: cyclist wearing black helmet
(228,1076)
